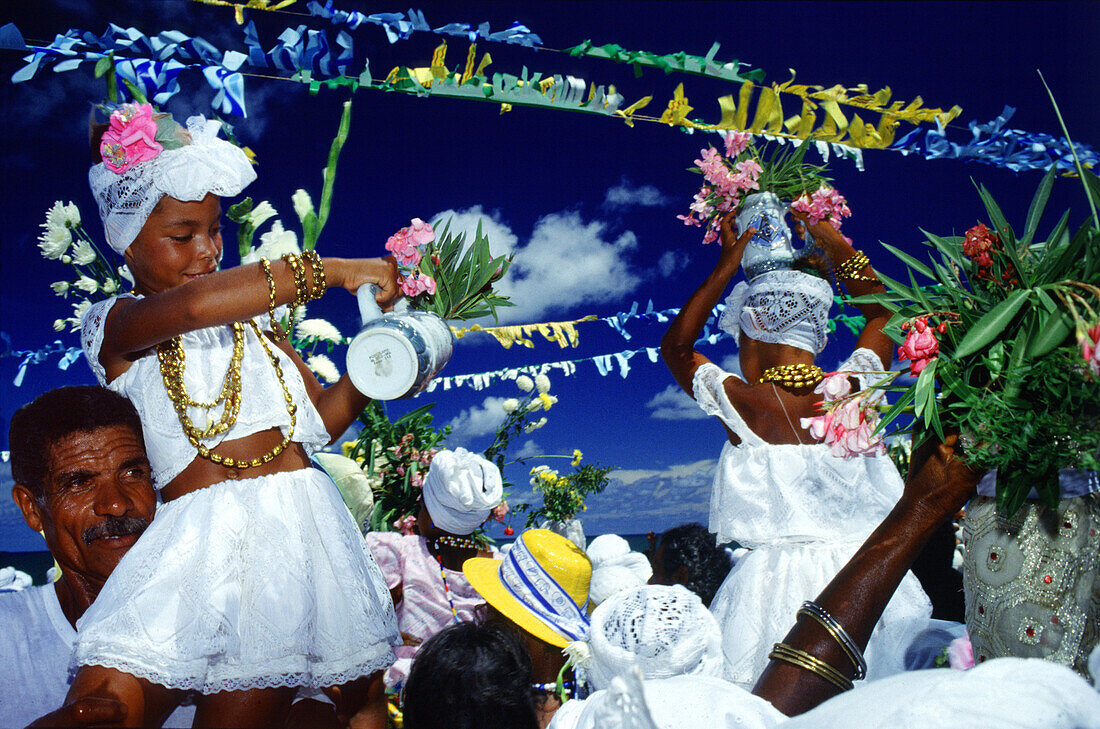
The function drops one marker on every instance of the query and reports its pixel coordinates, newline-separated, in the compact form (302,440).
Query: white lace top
(207,353)
(773,494)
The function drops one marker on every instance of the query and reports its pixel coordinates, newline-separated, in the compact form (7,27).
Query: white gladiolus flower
(261,214)
(524,383)
(83,253)
(303,205)
(542,382)
(62,216)
(578,653)
(319,328)
(58,325)
(55,241)
(60,288)
(87,284)
(78,313)
(124,272)
(531,427)
(510,405)
(534,406)
(323,367)
(273,244)
(110,286)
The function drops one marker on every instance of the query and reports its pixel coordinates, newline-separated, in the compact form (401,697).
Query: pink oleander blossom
(406,524)
(736,142)
(824,204)
(1090,348)
(920,346)
(420,233)
(403,249)
(978,243)
(834,386)
(130,139)
(960,653)
(847,427)
(417,284)
(417,480)
(499,512)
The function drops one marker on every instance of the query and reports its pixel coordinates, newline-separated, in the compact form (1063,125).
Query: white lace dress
(802,512)
(251,583)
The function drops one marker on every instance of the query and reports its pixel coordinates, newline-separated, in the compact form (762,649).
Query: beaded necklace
(794,376)
(451,541)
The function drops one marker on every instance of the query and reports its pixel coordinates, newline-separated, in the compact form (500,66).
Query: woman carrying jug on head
(801,510)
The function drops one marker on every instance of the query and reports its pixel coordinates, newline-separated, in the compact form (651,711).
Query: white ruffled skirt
(757,604)
(257,583)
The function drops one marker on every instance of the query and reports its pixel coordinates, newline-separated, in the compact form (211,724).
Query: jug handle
(368,307)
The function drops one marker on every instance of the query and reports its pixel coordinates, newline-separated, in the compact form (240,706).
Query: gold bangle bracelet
(276,330)
(849,269)
(807,662)
(298,268)
(317,266)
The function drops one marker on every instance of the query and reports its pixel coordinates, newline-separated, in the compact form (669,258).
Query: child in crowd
(424,570)
(253,578)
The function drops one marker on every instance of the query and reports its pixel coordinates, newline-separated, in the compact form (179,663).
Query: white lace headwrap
(188,173)
(664,630)
(781,307)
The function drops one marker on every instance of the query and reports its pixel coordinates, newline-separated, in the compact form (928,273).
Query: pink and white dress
(424,609)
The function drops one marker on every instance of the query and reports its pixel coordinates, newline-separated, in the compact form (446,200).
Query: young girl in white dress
(801,510)
(253,578)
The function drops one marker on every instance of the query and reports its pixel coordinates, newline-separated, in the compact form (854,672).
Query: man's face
(98,499)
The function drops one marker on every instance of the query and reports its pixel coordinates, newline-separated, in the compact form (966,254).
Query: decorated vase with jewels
(396,354)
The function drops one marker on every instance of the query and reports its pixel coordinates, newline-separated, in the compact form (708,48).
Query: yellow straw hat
(541,585)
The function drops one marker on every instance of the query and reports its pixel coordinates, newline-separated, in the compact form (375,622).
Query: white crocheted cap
(781,307)
(663,629)
(189,173)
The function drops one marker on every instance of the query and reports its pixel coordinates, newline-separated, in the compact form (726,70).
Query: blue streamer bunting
(37,356)
(400,26)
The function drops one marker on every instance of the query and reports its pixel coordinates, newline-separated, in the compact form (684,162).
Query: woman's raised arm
(678,343)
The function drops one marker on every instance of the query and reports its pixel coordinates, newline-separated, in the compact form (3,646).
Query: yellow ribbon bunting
(564,333)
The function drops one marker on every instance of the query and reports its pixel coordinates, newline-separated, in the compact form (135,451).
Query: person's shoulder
(26,617)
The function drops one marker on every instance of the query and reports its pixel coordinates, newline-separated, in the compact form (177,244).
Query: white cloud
(566,263)
(638,500)
(626,195)
(529,449)
(672,403)
(476,421)
(669,263)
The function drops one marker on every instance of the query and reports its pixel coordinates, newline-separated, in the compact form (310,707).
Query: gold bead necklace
(794,376)
(171,357)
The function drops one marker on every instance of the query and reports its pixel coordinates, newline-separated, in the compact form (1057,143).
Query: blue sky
(586,203)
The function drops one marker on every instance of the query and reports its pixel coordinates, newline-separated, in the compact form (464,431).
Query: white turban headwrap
(781,307)
(188,173)
(461,489)
(615,567)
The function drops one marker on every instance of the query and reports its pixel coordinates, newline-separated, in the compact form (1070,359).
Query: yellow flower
(546,400)
(577,456)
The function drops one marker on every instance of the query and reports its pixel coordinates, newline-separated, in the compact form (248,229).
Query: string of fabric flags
(37,356)
(307,56)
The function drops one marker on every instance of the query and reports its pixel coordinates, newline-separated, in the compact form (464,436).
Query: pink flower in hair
(130,139)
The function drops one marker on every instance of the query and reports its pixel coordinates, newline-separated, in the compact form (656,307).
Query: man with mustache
(83,480)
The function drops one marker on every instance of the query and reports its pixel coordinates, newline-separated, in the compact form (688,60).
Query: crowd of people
(209,575)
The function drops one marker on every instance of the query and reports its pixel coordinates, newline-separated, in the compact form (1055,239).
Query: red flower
(509,531)
(978,243)
(920,346)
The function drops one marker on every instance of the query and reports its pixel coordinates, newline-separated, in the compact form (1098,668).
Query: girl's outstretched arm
(678,343)
(339,404)
(224,297)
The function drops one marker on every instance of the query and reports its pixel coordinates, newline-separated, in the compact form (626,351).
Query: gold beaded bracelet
(301,295)
(813,664)
(794,376)
(317,266)
(849,269)
(276,330)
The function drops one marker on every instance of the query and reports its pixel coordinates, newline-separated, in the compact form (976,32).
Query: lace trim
(780,307)
(326,675)
(91,333)
(710,392)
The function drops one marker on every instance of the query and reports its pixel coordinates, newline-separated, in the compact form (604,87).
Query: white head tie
(615,567)
(188,173)
(664,630)
(781,307)
(461,489)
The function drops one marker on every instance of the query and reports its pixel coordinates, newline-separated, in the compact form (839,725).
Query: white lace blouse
(207,353)
(769,494)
